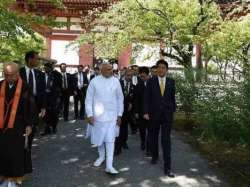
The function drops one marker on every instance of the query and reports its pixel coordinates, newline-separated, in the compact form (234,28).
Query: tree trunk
(245,58)
(199,66)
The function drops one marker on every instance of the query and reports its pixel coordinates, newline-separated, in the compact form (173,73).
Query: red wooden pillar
(86,54)
(48,47)
(124,57)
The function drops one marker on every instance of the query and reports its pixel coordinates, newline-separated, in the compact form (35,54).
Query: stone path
(65,160)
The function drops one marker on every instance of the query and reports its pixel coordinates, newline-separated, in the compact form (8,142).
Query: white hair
(104,64)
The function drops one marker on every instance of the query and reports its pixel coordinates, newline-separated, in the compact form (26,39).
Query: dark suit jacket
(53,89)
(71,84)
(128,97)
(92,76)
(139,97)
(85,81)
(157,106)
(40,86)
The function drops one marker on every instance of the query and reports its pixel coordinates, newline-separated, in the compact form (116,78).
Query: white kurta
(104,102)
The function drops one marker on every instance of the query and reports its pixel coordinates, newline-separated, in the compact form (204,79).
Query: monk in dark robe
(16,120)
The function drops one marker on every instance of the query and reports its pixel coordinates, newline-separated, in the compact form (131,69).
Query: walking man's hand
(146,116)
(90,120)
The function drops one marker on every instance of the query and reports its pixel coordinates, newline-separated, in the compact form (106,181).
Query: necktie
(81,80)
(31,84)
(47,81)
(162,86)
(64,81)
(126,88)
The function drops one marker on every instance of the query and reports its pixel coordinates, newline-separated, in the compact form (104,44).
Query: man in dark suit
(153,71)
(135,80)
(35,80)
(96,72)
(80,88)
(159,108)
(129,95)
(53,94)
(67,90)
(142,123)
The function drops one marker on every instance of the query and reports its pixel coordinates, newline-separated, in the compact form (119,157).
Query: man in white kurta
(104,108)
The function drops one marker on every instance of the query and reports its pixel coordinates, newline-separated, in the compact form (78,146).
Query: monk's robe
(12,139)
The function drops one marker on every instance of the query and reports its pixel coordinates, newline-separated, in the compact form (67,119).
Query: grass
(233,161)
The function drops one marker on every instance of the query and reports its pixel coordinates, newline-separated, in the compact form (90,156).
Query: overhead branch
(202,15)
(159,13)
(172,56)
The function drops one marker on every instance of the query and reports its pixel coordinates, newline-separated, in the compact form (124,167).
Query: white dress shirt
(134,80)
(64,85)
(80,80)
(160,79)
(27,69)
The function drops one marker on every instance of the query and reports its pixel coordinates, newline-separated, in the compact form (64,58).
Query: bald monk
(16,120)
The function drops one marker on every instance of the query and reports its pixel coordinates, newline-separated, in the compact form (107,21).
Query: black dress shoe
(148,154)
(133,132)
(125,146)
(143,147)
(168,173)
(44,133)
(117,152)
(154,161)
(81,117)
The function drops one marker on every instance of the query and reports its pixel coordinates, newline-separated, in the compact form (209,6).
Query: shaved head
(11,72)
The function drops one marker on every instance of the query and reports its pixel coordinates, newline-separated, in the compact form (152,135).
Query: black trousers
(65,103)
(133,123)
(51,119)
(35,125)
(165,128)
(80,97)
(27,152)
(145,129)
(121,140)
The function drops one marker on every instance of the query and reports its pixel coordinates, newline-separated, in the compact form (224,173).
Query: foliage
(16,33)
(230,44)
(14,50)
(178,23)
(221,110)
(108,50)
(245,109)
(186,92)
(216,108)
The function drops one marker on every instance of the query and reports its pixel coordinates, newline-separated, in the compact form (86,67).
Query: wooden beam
(63,37)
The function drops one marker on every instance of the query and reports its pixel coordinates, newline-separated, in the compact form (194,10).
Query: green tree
(229,45)
(16,33)
(178,23)
(14,50)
